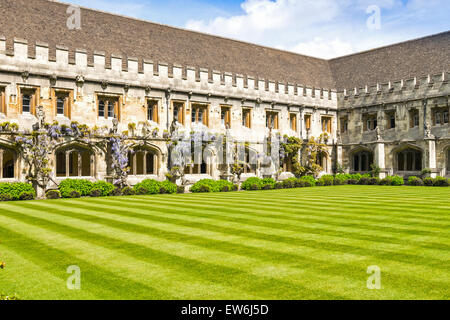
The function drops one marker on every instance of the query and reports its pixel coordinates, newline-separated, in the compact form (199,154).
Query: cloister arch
(202,163)
(144,160)
(361,159)
(8,162)
(408,158)
(74,160)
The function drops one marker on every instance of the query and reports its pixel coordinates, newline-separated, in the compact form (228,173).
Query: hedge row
(16,191)
(150,186)
(429,182)
(253,184)
(209,185)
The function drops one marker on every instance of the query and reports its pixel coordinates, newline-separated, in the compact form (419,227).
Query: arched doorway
(74,161)
(409,159)
(8,159)
(143,160)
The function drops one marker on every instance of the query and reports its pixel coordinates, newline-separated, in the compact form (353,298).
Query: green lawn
(313,243)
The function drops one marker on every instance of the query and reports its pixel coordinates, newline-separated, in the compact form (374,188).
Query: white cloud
(327,28)
(261,16)
(325,49)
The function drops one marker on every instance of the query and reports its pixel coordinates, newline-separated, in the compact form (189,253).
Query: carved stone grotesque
(428,131)
(378,133)
(115,127)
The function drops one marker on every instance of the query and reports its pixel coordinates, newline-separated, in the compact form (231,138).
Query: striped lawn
(313,243)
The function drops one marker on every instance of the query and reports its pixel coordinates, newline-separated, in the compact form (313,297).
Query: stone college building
(387,106)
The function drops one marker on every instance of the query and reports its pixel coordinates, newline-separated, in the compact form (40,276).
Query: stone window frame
(370,121)
(391,122)
(155,109)
(68,95)
(293,121)
(247,117)
(200,111)
(177,105)
(34,91)
(272,116)
(360,155)
(3,105)
(343,124)
(413,116)
(225,110)
(440,116)
(116,99)
(327,123)
(308,121)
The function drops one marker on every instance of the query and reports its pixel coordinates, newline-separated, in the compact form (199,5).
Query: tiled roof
(45,21)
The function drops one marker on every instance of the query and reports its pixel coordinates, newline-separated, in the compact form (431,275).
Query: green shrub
(268,184)
(13,190)
(74,194)
(116,192)
(181,189)
(140,190)
(440,182)
(326,180)
(320,183)
(252,184)
(27,195)
(223,186)
(397,181)
(352,181)
(84,187)
(4,297)
(5,197)
(309,181)
(168,187)
(152,187)
(374,181)
(415,181)
(364,181)
(204,188)
(106,188)
(289,183)
(386,181)
(429,182)
(128,191)
(53,194)
(213,186)
(340,179)
(95,193)
(279,185)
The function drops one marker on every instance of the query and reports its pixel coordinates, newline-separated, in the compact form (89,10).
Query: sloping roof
(428,55)
(45,21)
(42,20)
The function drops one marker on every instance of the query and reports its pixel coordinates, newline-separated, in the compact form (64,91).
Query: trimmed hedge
(105,188)
(209,185)
(415,181)
(167,187)
(148,186)
(14,191)
(252,184)
(53,194)
(82,186)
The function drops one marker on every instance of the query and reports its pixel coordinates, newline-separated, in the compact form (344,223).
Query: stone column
(380,159)
(80,164)
(144,164)
(135,163)
(156,164)
(92,164)
(1,164)
(430,159)
(68,153)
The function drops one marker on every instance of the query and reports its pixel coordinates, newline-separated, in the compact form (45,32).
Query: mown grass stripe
(193,269)
(279,270)
(144,230)
(250,221)
(146,273)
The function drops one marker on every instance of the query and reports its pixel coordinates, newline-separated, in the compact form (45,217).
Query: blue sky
(321,28)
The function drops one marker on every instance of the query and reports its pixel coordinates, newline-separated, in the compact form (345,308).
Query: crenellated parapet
(116,70)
